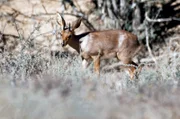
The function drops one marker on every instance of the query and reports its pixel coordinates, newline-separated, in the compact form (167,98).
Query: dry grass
(61,89)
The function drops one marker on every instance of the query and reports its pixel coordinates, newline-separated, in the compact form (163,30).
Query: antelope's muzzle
(64,43)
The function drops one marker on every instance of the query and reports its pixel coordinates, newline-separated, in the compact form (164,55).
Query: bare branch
(160,19)
(170,55)
(147,44)
(42,3)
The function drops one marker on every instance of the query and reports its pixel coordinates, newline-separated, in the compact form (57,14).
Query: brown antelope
(96,45)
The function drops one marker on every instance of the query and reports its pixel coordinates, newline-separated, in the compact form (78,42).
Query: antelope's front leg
(85,63)
(96,60)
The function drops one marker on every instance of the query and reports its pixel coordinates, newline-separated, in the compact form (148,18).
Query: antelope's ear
(77,24)
(60,20)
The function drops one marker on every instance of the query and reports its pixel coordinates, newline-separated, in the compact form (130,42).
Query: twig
(10,35)
(48,32)
(18,31)
(148,60)
(3,28)
(115,65)
(147,44)
(42,3)
(78,6)
(160,19)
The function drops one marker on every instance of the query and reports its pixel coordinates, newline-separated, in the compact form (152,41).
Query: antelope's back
(110,42)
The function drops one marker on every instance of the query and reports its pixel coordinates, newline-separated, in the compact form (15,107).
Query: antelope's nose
(63,44)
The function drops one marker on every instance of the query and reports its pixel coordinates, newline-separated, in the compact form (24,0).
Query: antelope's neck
(75,42)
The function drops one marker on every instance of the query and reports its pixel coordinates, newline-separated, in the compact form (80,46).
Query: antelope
(97,45)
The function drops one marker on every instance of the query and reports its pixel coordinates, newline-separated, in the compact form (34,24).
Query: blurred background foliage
(154,22)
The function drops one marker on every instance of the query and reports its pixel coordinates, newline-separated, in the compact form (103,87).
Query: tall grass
(60,88)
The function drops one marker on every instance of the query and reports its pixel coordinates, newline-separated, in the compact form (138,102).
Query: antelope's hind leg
(132,70)
(130,66)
